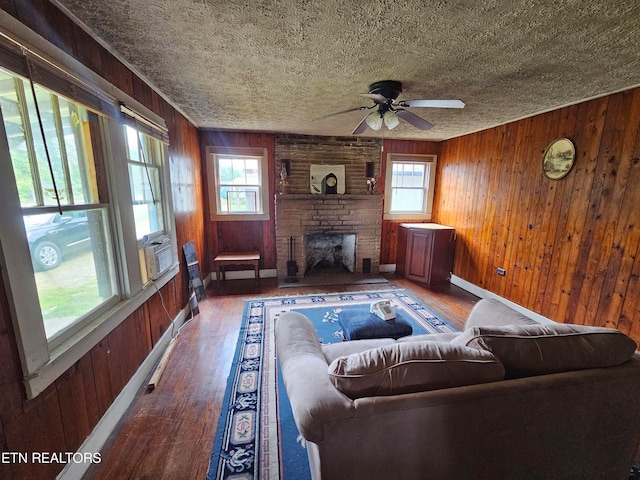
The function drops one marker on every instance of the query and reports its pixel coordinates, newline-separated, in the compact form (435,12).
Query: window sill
(68,353)
(406,217)
(240,218)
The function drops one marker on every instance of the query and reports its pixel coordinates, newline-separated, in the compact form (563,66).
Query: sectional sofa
(506,398)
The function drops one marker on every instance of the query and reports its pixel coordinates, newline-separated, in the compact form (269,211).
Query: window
(65,218)
(409,187)
(145,154)
(146,144)
(77,191)
(238,185)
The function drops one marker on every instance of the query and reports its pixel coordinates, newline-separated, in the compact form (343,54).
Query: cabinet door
(420,248)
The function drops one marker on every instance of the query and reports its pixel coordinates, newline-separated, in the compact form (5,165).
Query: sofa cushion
(342,349)
(527,350)
(408,367)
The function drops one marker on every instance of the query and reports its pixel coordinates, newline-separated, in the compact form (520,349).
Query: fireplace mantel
(308,196)
(300,214)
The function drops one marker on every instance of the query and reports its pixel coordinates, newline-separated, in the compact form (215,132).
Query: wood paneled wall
(61,417)
(569,247)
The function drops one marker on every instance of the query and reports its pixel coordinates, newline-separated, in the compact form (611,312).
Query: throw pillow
(409,367)
(527,350)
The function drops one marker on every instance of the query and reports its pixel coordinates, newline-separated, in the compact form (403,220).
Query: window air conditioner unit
(158,257)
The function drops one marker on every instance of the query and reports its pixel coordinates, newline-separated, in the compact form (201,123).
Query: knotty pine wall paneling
(561,213)
(59,419)
(569,247)
(596,263)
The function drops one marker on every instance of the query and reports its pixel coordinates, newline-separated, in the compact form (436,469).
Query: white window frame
(44,361)
(133,250)
(214,184)
(153,164)
(430,162)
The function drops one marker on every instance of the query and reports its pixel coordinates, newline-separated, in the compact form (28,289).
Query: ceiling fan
(389,110)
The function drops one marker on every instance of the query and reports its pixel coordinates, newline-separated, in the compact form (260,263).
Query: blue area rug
(256,436)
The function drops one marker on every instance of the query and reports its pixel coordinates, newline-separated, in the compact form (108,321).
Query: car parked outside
(52,236)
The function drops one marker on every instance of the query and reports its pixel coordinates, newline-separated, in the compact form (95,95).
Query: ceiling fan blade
(433,103)
(341,112)
(376,97)
(414,119)
(362,126)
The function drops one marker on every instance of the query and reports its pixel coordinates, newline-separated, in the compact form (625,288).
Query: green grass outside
(69,291)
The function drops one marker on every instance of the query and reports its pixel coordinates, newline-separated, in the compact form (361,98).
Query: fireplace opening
(330,253)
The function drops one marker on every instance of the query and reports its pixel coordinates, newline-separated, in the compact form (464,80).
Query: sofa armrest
(314,400)
(491,312)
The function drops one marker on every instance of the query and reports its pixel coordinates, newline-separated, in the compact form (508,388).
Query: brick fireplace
(299,215)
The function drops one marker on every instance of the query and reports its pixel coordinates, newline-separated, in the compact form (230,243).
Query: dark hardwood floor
(168,432)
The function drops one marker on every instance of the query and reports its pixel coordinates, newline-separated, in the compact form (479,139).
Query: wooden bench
(236,258)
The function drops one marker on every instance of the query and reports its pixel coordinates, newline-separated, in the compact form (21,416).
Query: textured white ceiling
(270,65)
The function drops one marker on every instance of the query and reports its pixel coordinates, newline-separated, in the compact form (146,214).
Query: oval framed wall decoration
(558,158)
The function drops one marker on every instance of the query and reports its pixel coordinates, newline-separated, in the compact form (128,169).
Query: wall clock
(330,184)
(327,179)
(558,158)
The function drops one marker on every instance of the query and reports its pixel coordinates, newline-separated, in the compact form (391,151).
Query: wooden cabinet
(425,252)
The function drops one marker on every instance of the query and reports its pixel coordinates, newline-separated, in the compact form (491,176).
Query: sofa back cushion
(527,350)
(408,367)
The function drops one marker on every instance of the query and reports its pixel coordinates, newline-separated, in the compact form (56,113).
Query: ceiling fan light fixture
(391,120)
(374,120)
(389,111)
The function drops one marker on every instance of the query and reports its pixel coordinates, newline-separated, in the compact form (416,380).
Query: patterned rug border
(243,447)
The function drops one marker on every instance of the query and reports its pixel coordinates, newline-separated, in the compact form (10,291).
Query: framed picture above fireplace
(326,179)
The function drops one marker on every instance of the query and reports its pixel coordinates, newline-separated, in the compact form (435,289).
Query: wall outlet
(501,271)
